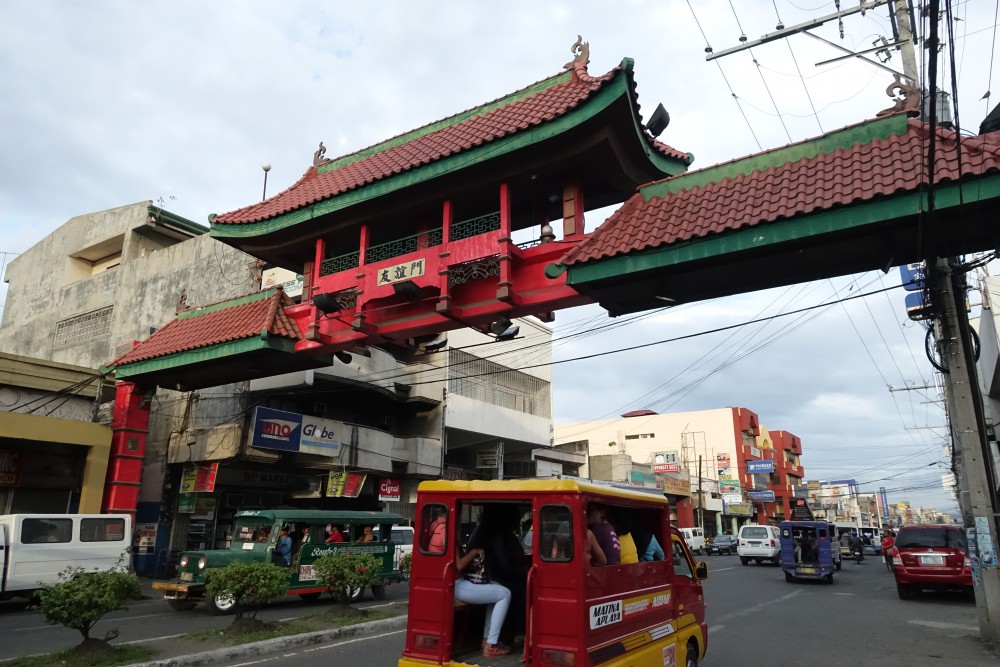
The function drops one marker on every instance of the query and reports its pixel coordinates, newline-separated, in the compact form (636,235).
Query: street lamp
(266,167)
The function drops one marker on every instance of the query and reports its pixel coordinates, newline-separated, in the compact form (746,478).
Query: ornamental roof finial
(581,50)
(906,97)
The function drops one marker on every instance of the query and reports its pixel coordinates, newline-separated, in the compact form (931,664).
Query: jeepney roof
(321,516)
(538,486)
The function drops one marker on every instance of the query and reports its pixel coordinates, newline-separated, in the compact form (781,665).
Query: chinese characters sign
(394,274)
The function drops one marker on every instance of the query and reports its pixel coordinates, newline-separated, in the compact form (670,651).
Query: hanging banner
(885,502)
(341,484)
(188,479)
(186,503)
(389,490)
(205,477)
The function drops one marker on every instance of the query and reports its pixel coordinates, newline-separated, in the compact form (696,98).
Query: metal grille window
(83,328)
(485,381)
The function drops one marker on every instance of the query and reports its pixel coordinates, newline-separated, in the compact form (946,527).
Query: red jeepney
(574,613)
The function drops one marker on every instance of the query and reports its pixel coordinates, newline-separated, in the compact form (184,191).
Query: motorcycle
(858,554)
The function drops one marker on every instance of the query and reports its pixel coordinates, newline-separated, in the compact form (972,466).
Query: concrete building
(52,456)
(746,472)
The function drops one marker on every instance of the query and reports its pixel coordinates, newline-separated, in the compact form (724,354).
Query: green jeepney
(254,537)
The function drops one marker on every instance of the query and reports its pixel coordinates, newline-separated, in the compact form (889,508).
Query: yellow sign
(189,479)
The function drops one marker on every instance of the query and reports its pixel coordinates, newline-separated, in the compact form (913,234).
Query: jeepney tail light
(426,642)
(563,658)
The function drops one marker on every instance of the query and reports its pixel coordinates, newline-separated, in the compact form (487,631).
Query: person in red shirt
(887,544)
(333,535)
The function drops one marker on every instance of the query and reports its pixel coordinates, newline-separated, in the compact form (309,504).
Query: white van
(695,538)
(402,537)
(758,543)
(35,548)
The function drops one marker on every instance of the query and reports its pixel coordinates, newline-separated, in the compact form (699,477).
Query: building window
(83,328)
(485,381)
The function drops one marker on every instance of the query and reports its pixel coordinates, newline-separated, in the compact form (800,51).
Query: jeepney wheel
(182,605)
(310,597)
(691,655)
(221,605)
(378,590)
(789,578)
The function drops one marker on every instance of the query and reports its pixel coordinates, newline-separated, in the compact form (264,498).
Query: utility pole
(701,500)
(978,495)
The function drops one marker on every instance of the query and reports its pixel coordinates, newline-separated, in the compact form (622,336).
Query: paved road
(26,633)
(757,619)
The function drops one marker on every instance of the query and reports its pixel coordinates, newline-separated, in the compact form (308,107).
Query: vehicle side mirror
(701,570)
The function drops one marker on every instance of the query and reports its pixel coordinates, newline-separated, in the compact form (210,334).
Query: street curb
(277,644)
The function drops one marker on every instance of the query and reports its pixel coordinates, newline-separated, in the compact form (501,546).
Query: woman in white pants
(473,587)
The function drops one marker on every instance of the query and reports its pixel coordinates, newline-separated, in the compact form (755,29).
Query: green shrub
(345,573)
(252,585)
(81,598)
(405,564)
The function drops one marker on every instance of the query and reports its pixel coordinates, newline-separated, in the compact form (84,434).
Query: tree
(252,585)
(81,598)
(346,574)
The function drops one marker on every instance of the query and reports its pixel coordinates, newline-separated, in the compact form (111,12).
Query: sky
(104,104)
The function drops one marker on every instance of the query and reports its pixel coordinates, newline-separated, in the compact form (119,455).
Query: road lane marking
(351,641)
(715,628)
(152,639)
(756,608)
(722,569)
(846,594)
(939,625)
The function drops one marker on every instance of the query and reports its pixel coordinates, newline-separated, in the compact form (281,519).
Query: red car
(931,557)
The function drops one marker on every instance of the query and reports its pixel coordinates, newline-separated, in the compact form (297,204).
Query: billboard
(665,468)
(292,432)
(761,496)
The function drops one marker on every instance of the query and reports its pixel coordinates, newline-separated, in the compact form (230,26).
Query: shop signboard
(487,458)
(642,478)
(290,481)
(276,429)
(761,496)
(760,467)
(723,466)
(10,468)
(290,281)
(145,538)
(342,484)
(736,509)
(389,490)
(405,271)
(674,486)
(205,477)
(186,503)
(730,498)
(204,507)
(322,436)
(664,468)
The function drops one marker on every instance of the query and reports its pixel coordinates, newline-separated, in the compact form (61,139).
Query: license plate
(187,576)
(932,560)
(807,570)
(755,544)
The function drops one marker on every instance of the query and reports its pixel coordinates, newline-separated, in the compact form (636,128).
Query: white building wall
(496,422)
(690,434)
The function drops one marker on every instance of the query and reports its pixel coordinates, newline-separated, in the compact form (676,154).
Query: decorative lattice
(475,226)
(339,263)
(407,244)
(83,328)
(478,269)
(347,298)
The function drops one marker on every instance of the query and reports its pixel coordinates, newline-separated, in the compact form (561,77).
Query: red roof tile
(535,105)
(701,203)
(248,316)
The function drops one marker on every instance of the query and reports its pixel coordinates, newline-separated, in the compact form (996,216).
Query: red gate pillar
(129,428)
(685,513)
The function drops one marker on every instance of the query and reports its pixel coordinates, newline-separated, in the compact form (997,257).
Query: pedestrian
(888,542)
